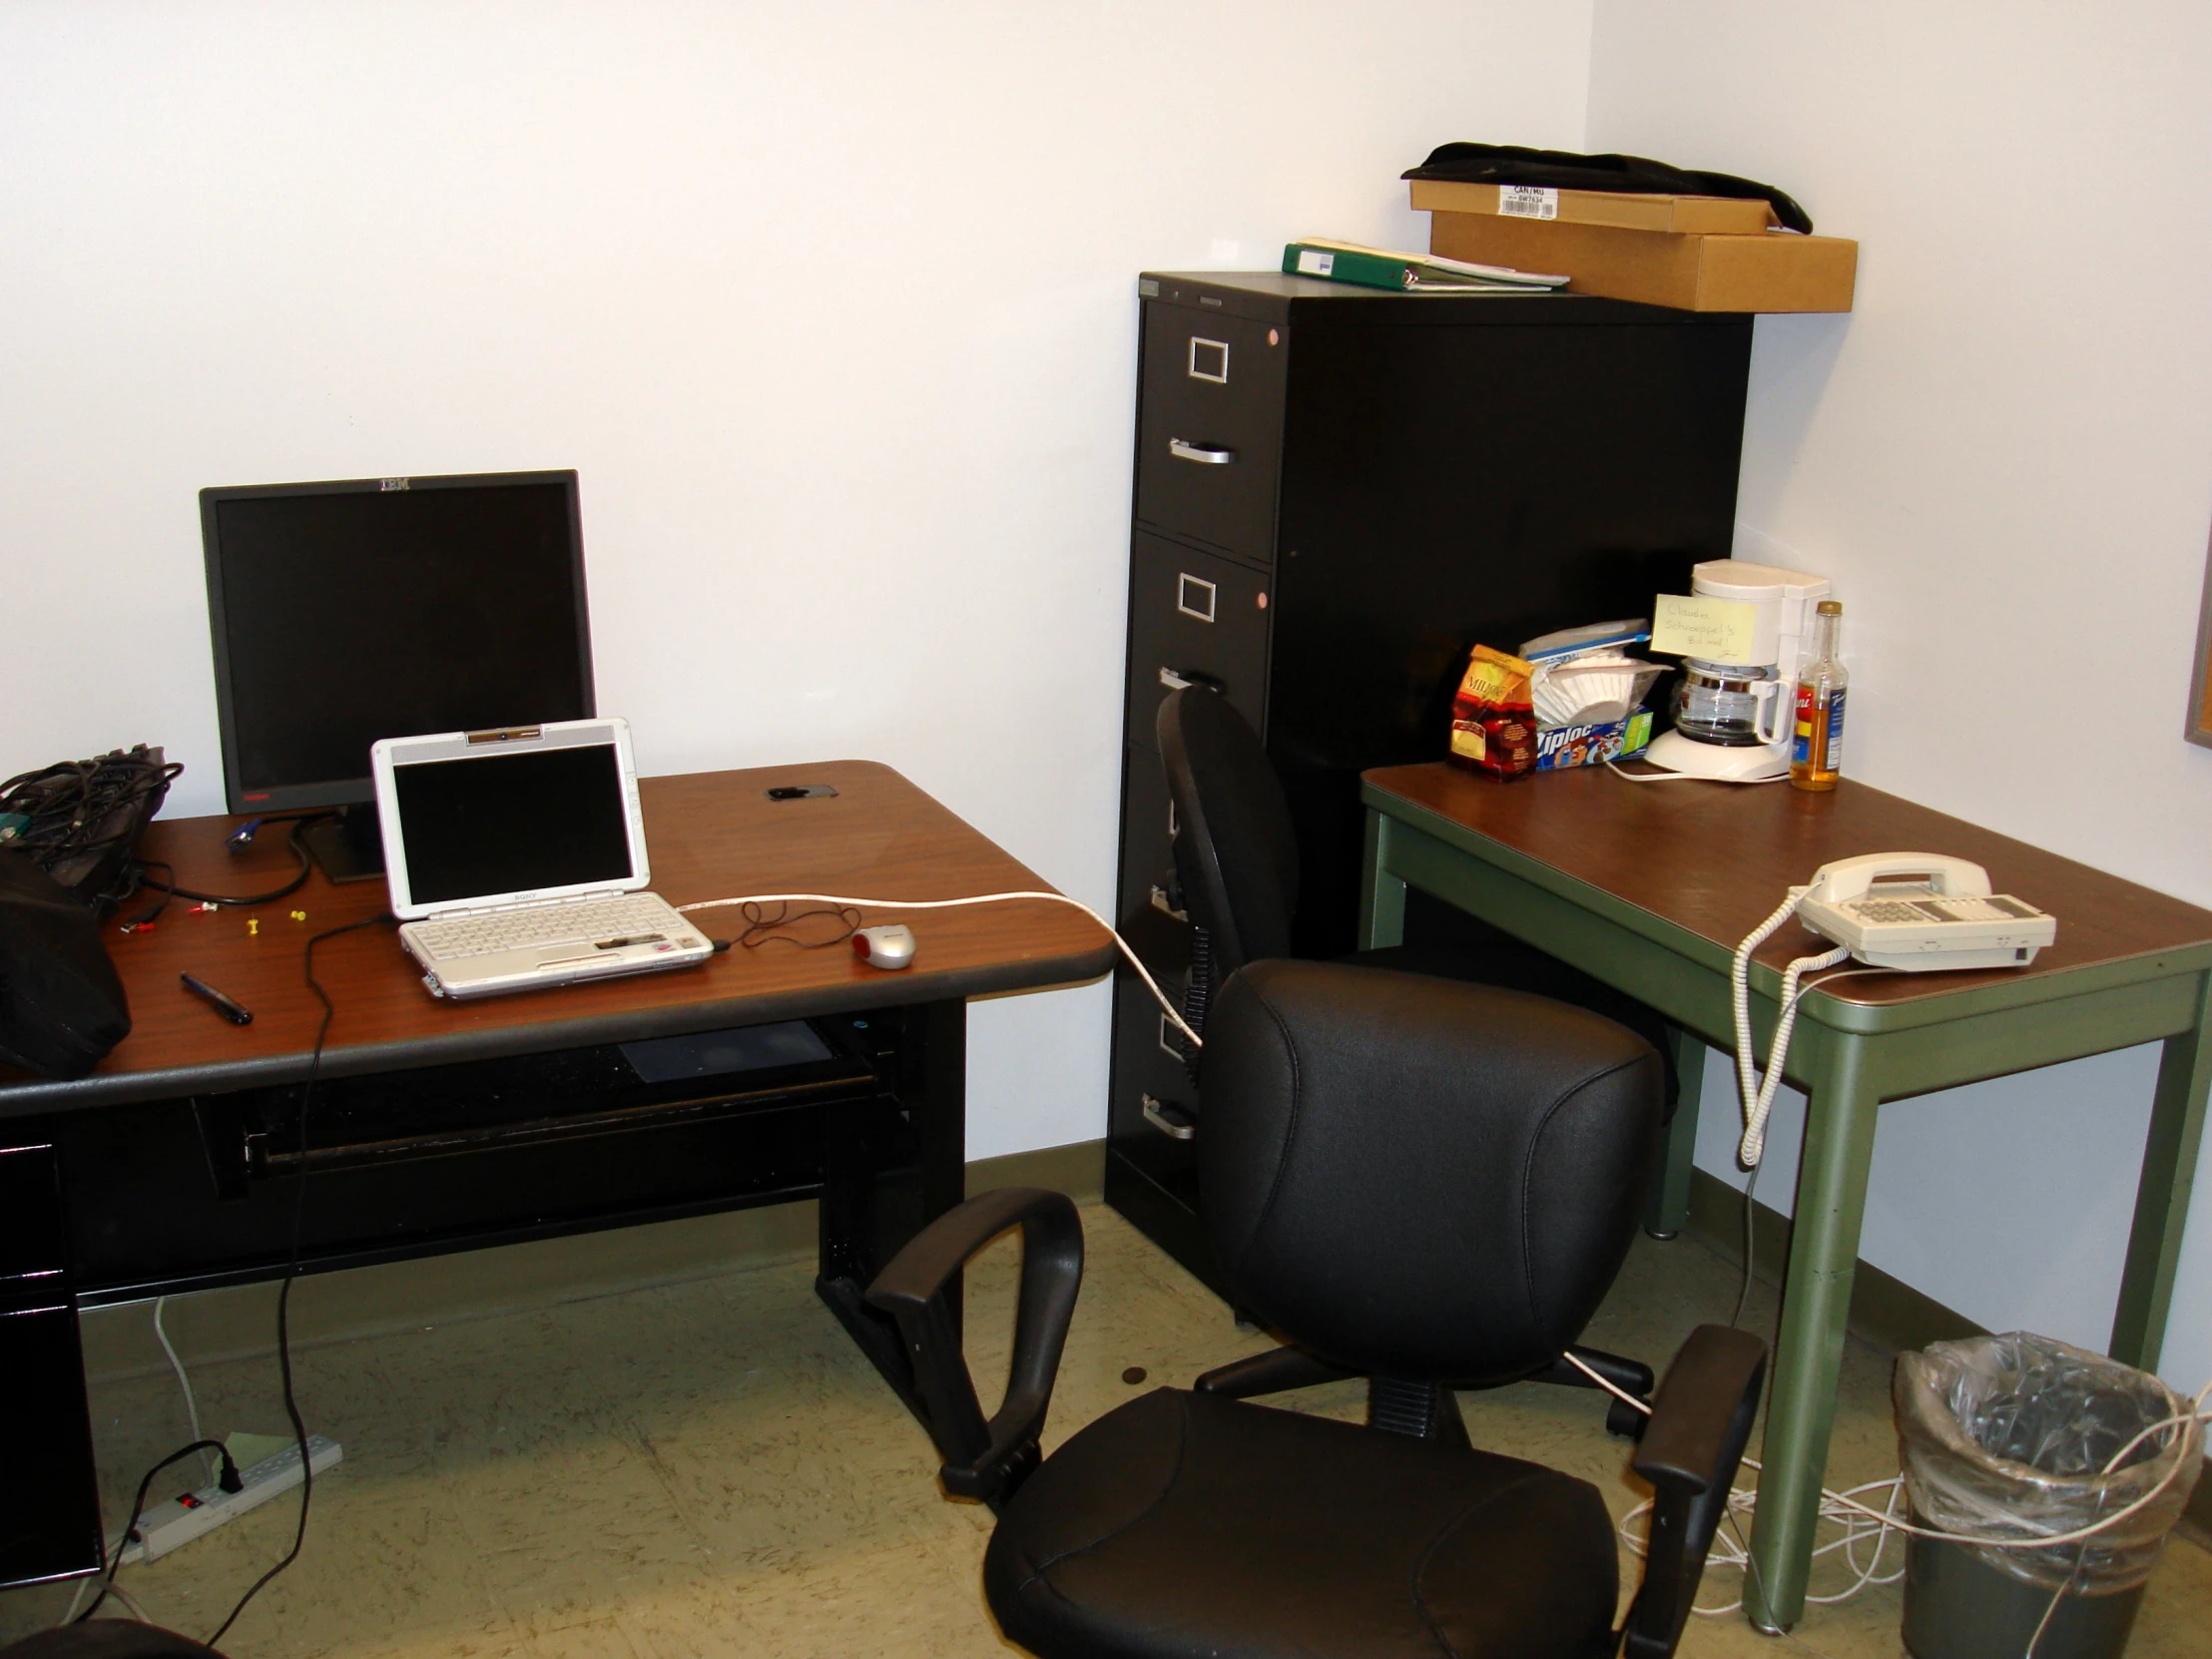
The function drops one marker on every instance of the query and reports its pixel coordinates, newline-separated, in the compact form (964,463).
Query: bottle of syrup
(1817,757)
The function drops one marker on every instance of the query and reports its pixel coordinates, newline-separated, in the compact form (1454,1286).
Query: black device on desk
(370,607)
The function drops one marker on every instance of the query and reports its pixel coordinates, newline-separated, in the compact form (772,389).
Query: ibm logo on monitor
(391,484)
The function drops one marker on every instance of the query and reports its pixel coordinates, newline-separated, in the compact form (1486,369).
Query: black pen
(221,1004)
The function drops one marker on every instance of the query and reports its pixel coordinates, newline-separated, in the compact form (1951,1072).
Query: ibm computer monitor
(385,608)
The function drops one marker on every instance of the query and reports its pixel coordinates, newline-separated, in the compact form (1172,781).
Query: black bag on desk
(61,1003)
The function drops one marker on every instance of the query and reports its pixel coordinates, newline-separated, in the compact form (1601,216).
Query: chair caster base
(1625,1421)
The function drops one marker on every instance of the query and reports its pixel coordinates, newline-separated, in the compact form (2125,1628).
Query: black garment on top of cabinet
(1513,164)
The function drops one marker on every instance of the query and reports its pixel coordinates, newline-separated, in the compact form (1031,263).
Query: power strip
(183,1519)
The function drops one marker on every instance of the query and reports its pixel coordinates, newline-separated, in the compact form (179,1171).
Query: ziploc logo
(1560,746)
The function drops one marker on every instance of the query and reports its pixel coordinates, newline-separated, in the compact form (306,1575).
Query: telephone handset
(1911,912)
(1941,914)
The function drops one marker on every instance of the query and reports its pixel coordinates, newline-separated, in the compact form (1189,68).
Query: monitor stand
(349,846)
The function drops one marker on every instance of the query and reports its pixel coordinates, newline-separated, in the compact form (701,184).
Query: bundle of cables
(80,821)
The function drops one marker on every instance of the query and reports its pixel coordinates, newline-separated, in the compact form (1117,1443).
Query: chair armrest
(986,1461)
(1690,1452)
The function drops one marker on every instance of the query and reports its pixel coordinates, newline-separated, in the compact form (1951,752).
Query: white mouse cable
(1151,984)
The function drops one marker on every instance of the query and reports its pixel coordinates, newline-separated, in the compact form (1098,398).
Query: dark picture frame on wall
(2199,728)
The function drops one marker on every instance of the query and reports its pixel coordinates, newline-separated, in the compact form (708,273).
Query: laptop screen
(513,822)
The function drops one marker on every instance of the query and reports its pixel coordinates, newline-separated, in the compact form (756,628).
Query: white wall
(2004,457)
(832,307)
(833,311)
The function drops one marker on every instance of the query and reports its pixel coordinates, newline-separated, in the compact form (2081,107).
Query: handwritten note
(1719,630)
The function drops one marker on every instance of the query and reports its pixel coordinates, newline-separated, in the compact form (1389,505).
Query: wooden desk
(440,1126)
(1651,887)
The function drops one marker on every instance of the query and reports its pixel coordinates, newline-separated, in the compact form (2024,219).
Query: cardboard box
(1773,271)
(1560,746)
(1682,214)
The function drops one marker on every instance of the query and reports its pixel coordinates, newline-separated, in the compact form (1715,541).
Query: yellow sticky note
(1720,630)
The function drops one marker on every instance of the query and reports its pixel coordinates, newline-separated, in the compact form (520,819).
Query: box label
(1560,746)
(1313,262)
(1717,630)
(1528,201)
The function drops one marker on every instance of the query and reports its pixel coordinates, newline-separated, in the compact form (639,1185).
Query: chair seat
(1185,1526)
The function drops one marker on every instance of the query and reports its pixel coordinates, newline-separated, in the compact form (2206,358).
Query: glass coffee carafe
(1734,705)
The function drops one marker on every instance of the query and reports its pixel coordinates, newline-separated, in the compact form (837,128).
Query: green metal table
(1650,887)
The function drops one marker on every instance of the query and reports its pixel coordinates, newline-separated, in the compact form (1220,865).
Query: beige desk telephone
(1909,911)
(1941,914)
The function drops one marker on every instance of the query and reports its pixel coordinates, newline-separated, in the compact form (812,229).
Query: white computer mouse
(889,947)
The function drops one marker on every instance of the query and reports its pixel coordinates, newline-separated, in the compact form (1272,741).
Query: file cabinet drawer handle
(1179,679)
(1205,454)
(1167,1117)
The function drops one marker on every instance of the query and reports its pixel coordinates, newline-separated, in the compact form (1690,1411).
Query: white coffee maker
(1733,720)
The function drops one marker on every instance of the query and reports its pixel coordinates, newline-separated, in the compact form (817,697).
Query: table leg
(1381,895)
(2162,1193)
(1809,1350)
(1668,1206)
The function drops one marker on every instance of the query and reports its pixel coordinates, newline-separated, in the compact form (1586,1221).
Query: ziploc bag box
(1560,746)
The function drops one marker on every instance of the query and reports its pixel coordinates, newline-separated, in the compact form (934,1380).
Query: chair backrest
(1421,1177)
(1236,853)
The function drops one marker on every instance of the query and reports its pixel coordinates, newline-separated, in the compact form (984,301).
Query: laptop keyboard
(594,921)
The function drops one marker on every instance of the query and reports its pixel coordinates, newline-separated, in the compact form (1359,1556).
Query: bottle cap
(1832,606)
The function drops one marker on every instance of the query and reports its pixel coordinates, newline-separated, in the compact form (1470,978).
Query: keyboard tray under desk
(201,1193)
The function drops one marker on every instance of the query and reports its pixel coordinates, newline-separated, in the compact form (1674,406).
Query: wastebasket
(2006,1438)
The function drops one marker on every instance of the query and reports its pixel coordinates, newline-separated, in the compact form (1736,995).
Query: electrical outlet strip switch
(183,1519)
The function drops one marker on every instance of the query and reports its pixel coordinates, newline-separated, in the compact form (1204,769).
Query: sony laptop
(516,858)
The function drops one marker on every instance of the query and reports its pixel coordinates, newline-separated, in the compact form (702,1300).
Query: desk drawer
(1193,617)
(42,1376)
(34,1241)
(1209,428)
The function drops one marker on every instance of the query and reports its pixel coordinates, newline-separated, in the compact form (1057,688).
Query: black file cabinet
(1339,491)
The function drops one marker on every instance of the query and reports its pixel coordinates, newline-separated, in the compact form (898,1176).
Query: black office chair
(1236,877)
(108,1639)
(1236,860)
(1415,1179)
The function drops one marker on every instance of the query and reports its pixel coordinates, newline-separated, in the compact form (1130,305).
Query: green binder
(1380,268)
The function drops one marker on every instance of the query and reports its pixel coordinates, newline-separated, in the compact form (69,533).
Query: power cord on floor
(1174,1014)
(191,1406)
(1845,1508)
(291,1274)
(229,1480)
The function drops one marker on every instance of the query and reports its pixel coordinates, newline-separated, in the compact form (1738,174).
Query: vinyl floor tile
(710,1468)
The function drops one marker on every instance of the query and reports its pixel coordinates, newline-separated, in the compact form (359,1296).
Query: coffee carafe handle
(1773,702)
